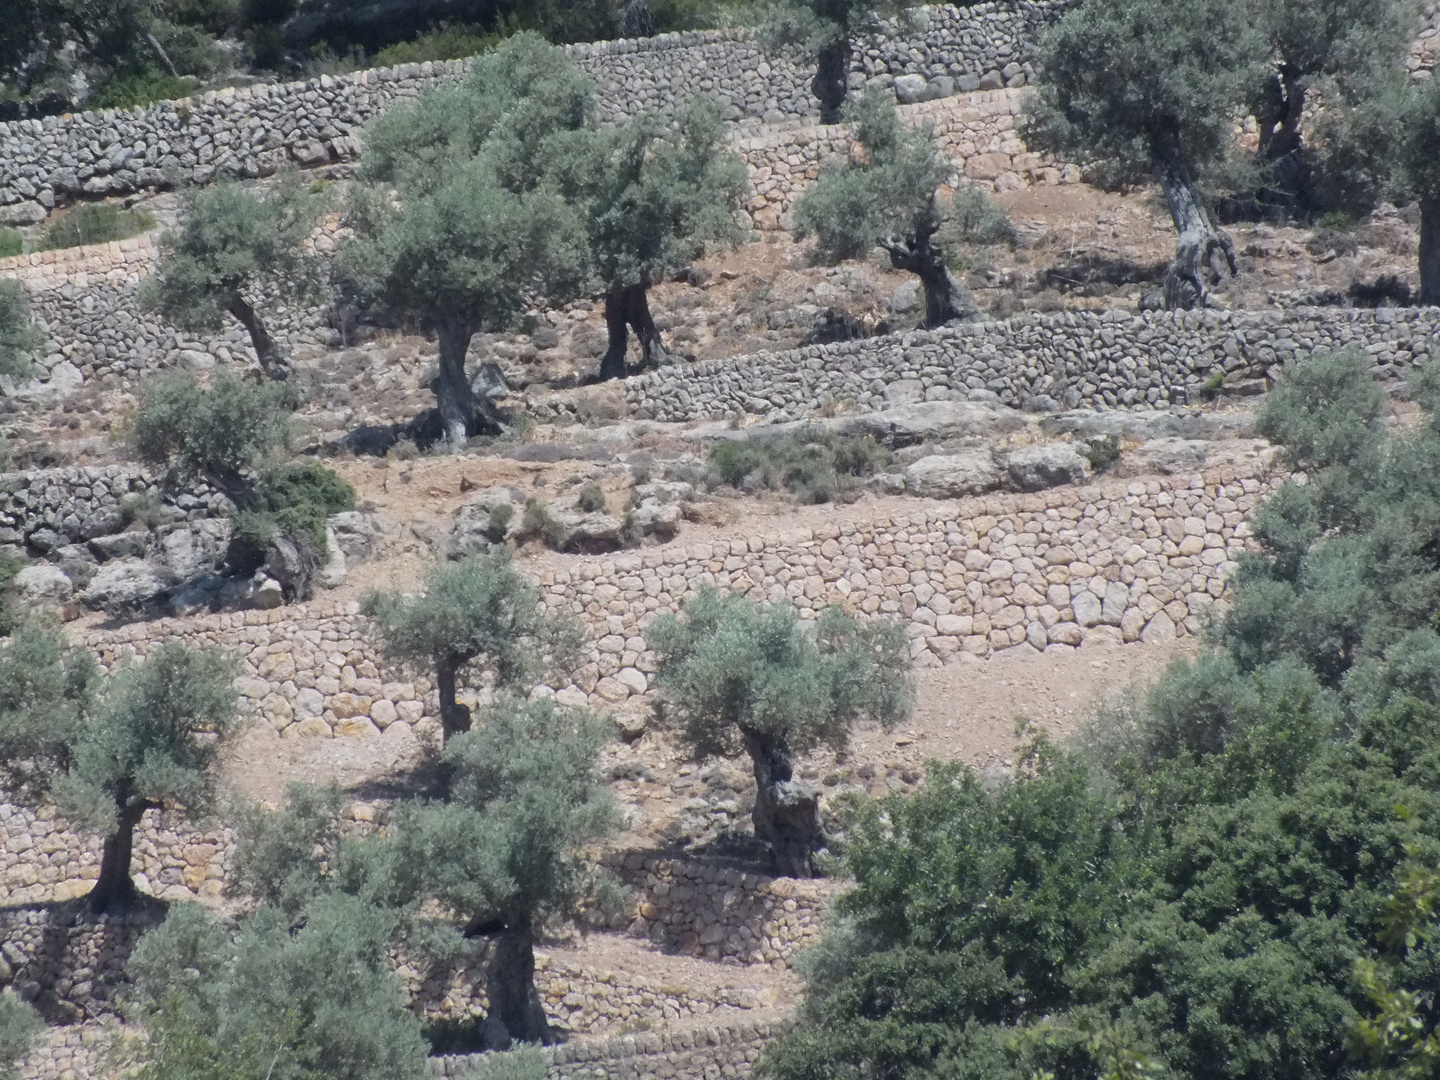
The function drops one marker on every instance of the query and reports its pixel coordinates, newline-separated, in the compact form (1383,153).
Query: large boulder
(124,583)
(1045,465)
(126,545)
(951,476)
(355,533)
(196,548)
(42,583)
(1171,456)
(477,523)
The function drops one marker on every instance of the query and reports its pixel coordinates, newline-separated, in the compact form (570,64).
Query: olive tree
(19,1026)
(1153,86)
(653,196)
(19,337)
(737,676)
(107,750)
(1415,159)
(236,244)
(887,198)
(826,30)
(300,997)
(478,608)
(504,850)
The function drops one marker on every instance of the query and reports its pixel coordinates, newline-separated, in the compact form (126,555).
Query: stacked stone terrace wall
(1092,359)
(253,131)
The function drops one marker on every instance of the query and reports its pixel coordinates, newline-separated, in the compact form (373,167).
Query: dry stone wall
(252,131)
(1076,359)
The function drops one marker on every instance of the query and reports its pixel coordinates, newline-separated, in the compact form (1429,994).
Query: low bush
(539,522)
(143,88)
(591,499)
(11,242)
(445,42)
(1103,452)
(94,223)
(815,466)
(974,218)
(294,500)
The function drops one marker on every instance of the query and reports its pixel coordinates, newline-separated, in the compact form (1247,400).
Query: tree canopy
(477,608)
(106,750)
(236,246)
(1214,882)
(887,198)
(740,676)
(19,337)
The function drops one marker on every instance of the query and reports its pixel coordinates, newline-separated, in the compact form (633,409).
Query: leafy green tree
(504,850)
(826,30)
(478,608)
(473,241)
(307,998)
(1152,86)
(888,198)
(19,337)
(654,196)
(145,738)
(1340,46)
(740,676)
(1415,160)
(19,1027)
(235,244)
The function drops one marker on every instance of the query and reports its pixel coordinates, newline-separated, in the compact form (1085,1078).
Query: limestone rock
(124,583)
(951,476)
(42,583)
(1045,465)
(1171,455)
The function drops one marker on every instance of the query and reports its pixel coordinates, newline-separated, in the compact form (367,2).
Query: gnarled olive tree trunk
(1279,115)
(787,811)
(946,299)
(832,72)
(1203,251)
(462,412)
(273,361)
(454,717)
(114,889)
(1430,251)
(510,986)
(627,307)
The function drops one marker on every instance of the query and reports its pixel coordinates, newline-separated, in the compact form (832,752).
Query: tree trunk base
(1430,252)
(516,1012)
(627,308)
(946,299)
(787,811)
(1201,257)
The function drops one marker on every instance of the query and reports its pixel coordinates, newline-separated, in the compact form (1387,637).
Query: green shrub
(19,1026)
(591,499)
(11,242)
(9,567)
(295,500)
(501,515)
(816,467)
(445,42)
(1337,221)
(539,521)
(144,88)
(1103,452)
(973,218)
(94,223)
(1212,386)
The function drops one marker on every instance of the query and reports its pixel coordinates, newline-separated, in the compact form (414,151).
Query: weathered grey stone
(1044,465)
(41,583)
(124,582)
(121,545)
(1171,455)
(950,476)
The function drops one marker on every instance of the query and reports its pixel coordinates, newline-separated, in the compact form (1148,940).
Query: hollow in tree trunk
(787,811)
(454,717)
(511,986)
(832,70)
(1279,117)
(114,889)
(1430,251)
(462,412)
(946,299)
(627,307)
(1203,251)
(272,359)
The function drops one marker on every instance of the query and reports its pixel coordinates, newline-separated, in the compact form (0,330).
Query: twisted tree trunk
(787,811)
(1280,138)
(462,413)
(1203,251)
(627,307)
(514,1001)
(832,70)
(946,299)
(114,889)
(1430,251)
(454,717)
(272,359)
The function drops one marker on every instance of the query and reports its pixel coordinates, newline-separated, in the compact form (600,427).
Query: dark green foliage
(93,223)
(294,500)
(285,859)
(817,466)
(733,666)
(972,217)
(108,750)
(291,1000)
(219,431)
(1103,452)
(19,337)
(141,88)
(591,499)
(539,522)
(9,567)
(444,42)
(11,242)
(20,1025)
(1212,884)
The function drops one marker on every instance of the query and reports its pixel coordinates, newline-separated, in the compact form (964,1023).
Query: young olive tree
(740,676)
(826,30)
(1153,86)
(235,243)
(308,997)
(654,196)
(106,750)
(478,608)
(504,850)
(19,1026)
(454,231)
(888,198)
(19,337)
